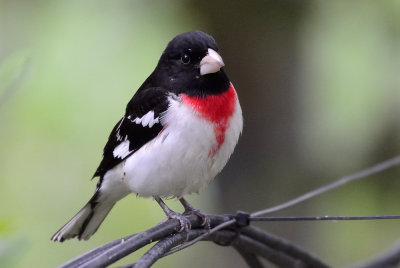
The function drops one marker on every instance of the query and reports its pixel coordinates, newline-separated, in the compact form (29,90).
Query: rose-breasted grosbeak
(177,134)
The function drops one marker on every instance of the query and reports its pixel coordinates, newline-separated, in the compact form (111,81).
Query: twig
(250,242)
(276,257)
(88,256)
(284,246)
(160,248)
(342,181)
(202,237)
(251,245)
(327,218)
(132,244)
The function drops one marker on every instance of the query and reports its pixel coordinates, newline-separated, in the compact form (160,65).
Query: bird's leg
(191,210)
(183,221)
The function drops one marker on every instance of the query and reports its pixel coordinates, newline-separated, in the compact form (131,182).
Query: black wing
(140,124)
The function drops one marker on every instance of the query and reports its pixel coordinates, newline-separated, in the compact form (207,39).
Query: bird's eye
(185,59)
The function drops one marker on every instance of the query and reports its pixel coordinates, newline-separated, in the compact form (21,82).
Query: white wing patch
(122,150)
(146,120)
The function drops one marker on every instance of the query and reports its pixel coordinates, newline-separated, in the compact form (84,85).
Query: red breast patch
(217,109)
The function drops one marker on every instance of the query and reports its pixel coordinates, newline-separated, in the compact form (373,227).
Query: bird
(178,132)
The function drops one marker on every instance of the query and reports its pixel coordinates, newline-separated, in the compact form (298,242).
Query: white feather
(146,120)
(122,150)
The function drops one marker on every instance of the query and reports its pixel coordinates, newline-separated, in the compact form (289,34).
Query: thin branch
(276,257)
(284,246)
(202,237)
(88,256)
(132,244)
(160,248)
(327,218)
(251,245)
(115,250)
(342,181)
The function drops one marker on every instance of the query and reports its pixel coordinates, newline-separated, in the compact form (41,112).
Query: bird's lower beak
(211,63)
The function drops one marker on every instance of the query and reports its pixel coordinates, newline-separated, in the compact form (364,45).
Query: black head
(190,64)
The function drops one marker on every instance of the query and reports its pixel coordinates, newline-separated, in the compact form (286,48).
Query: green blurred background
(319,83)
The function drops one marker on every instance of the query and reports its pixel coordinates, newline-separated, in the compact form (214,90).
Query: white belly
(179,160)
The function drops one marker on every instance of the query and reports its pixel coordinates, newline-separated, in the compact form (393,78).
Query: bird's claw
(184,222)
(205,220)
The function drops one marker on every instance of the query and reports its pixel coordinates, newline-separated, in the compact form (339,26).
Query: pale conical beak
(211,63)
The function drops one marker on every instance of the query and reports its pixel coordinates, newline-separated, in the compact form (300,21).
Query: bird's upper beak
(211,63)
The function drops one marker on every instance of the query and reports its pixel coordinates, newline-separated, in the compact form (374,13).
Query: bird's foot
(184,222)
(205,220)
(189,210)
(185,225)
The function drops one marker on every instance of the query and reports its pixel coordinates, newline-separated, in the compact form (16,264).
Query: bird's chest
(216,111)
(203,132)
(197,139)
